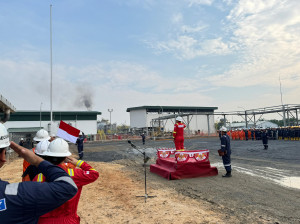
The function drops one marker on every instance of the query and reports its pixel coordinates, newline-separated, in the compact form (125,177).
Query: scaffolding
(187,117)
(286,111)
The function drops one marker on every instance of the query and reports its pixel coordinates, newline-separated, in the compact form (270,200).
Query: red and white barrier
(183,156)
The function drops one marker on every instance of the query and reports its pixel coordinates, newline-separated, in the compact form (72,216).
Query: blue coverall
(225,147)
(265,139)
(25,202)
(79,143)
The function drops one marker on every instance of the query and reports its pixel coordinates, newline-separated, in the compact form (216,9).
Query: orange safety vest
(25,166)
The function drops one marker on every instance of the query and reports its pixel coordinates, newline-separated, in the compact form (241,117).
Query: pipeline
(6,116)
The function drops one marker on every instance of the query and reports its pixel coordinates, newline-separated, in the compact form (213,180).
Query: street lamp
(162,110)
(41,115)
(110,110)
(283,110)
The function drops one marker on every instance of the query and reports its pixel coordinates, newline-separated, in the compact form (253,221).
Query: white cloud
(186,47)
(117,85)
(192,29)
(146,4)
(267,38)
(199,2)
(189,41)
(177,18)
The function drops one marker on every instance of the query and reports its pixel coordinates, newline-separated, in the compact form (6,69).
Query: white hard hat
(41,135)
(58,148)
(179,118)
(22,139)
(42,147)
(4,140)
(223,128)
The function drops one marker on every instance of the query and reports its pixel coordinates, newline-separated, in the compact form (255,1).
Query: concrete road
(265,187)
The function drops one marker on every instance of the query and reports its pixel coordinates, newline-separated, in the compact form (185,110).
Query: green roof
(23,130)
(177,109)
(5,104)
(57,115)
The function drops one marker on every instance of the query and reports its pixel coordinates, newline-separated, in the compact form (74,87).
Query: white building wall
(151,116)
(197,122)
(169,125)
(200,122)
(141,119)
(138,118)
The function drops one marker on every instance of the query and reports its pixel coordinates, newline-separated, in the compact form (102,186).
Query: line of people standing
(282,133)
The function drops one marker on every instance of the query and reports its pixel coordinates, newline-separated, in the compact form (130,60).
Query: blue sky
(121,54)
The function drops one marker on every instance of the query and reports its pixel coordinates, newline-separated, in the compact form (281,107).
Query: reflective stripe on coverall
(225,147)
(178,135)
(67,213)
(25,202)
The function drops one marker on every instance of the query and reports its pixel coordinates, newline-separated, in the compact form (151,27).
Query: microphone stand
(146,158)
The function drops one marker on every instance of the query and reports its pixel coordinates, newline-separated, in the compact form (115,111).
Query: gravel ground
(264,188)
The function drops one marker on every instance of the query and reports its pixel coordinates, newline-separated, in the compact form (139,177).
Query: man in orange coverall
(39,136)
(58,153)
(178,134)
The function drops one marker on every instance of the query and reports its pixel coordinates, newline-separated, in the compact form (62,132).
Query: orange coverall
(25,165)
(178,135)
(67,213)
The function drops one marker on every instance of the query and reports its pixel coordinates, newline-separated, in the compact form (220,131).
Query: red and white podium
(185,164)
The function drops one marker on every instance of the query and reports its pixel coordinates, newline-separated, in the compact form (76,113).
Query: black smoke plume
(84,98)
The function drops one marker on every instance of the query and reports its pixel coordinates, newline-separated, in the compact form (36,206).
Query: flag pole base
(146,196)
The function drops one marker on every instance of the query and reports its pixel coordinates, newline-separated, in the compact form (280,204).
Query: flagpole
(51,113)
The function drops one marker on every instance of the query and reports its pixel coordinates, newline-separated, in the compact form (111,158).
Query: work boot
(228,174)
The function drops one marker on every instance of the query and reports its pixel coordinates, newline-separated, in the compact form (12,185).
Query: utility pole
(110,110)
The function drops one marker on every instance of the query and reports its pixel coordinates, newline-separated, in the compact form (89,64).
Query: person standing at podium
(178,134)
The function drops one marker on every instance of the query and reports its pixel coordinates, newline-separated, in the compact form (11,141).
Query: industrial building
(162,118)
(24,124)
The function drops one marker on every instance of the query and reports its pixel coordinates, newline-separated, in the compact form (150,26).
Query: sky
(116,54)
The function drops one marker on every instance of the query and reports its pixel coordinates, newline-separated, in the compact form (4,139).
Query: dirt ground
(112,199)
(244,198)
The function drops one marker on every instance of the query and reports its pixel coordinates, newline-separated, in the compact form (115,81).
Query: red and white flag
(67,132)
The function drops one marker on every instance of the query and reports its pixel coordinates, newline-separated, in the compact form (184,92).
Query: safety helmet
(223,128)
(58,148)
(42,147)
(41,135)
(4,139)
(179,119)
(22,139)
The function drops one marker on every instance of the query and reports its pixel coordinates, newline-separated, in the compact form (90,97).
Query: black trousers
(227,162)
